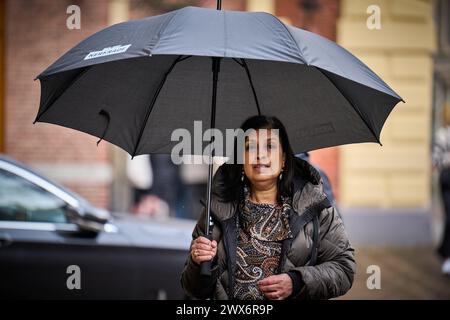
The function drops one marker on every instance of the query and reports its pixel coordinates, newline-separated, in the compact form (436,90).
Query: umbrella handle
(205,266)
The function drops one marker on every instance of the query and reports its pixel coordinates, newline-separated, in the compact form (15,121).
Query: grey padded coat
(332,274)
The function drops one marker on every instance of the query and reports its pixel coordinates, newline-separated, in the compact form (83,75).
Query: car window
(21,200)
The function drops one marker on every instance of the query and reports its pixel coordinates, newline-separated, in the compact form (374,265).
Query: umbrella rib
(243,64)
(105,113)
(154,98)
(349,100)
(59,93)
(301,57)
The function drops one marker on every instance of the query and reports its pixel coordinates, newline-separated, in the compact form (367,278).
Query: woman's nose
(262,154)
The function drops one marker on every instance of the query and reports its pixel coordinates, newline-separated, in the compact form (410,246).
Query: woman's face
(263,156)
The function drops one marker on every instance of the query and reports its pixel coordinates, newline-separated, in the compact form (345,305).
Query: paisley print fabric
(260,232)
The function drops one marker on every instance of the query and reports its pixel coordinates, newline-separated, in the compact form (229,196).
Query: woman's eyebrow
(255,141)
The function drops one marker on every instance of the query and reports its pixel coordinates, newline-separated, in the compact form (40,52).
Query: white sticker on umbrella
(107,51)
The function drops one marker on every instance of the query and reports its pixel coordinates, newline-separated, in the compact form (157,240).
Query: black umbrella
(134,83)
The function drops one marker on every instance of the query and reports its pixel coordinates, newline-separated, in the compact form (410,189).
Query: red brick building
(34,35)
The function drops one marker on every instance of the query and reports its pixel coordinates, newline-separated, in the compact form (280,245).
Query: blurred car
(49,235)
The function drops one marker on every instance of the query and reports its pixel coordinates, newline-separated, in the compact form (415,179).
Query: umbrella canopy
(135,82)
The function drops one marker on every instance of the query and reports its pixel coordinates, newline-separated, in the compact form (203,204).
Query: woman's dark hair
(229,186)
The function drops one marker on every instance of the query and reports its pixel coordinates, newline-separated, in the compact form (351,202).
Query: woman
(441,162)
(263,240)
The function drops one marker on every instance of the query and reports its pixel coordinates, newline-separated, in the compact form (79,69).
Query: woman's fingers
(276,287)
(199,252)
(197,249)
(273,295)
(269,281)
(202,255)
(203,249)
(203,240)
(270,288)
(202,246)
(203,258)
(199,257)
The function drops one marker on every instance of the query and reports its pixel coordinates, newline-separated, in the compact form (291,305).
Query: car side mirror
(89,220)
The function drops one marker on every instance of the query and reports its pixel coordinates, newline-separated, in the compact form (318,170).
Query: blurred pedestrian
(140,176)
(194,175)
(441,162)
(327,188)
(167,184)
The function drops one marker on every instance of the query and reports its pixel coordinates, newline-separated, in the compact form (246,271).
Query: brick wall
(36,35)
(318,16)
(2,73)
(143,8)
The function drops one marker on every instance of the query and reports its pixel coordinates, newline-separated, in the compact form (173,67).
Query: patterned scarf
(261,229)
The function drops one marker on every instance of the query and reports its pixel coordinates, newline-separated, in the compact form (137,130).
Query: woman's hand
(276,287)
(203,249)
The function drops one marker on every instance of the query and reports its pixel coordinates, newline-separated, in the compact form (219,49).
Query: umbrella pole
(206,266)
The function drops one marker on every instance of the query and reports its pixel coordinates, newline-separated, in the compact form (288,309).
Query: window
(21,200)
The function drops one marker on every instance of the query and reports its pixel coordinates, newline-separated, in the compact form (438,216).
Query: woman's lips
(259,167)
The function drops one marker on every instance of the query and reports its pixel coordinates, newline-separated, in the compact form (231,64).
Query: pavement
(405,273)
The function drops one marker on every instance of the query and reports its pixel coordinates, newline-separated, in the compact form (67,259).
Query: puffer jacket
(332,274)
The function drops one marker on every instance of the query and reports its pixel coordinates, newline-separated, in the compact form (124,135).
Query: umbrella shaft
(215,71)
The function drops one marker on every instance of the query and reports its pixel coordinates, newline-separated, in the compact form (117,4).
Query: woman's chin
(263,177)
